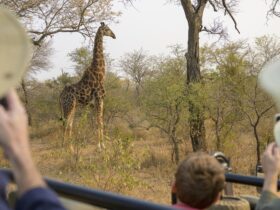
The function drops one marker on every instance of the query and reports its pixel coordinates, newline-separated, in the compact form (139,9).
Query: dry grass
(136,162)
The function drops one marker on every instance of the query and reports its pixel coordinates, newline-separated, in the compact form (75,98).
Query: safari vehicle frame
(114,201)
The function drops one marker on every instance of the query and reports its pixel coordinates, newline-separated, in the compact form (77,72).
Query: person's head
(199,180)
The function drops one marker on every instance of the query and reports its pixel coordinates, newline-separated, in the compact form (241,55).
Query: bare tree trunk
(194,12)
(258,145)
(193,68)
(26,101)
(196,118)
(218,138)
(175,153)
(137,90)
(173,135)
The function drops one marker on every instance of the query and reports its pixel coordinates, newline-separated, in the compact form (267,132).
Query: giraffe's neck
(98,63)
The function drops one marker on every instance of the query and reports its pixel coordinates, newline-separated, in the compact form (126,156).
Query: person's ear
(218,198)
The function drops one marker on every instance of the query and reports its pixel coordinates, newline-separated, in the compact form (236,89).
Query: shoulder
(268,200)
(39,199)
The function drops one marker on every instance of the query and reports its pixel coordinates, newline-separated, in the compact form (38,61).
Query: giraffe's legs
(99,121)
(70,120)
(69,109)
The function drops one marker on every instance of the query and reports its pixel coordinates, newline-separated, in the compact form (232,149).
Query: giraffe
(89,88)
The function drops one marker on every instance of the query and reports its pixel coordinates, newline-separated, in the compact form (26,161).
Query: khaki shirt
(268,201)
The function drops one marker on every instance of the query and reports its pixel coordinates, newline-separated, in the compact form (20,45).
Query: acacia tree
(264,49)
(136,65)
(222,67)
(256,107)
(194,10)
(81,57)
(256,104)
(274,8)
(163,100)
(238,66)
(45,18)
(219,109)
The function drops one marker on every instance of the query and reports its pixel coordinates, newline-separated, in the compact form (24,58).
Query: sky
(153,25)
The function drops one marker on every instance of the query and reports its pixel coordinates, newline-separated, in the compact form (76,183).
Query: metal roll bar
(98,198)
(115,201)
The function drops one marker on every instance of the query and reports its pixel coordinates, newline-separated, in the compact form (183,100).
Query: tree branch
(44,18)
(216,29)
(272,9)
(201,6)
(266,110)
(213,5)
(231,16)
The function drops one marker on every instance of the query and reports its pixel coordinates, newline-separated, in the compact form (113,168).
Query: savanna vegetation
(152,104)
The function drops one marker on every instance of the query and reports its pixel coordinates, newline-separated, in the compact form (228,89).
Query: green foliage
(81,138)
(196,94)
(265,48)
(117,101)
(163,92)
(164,99)
(233,96)
(45,18)
(62,80)
(81,57)
(110,169)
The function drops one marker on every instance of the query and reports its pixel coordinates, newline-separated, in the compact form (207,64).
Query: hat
(15,51)
(269,79)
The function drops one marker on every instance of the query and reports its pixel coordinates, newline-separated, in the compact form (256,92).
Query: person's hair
(199,180)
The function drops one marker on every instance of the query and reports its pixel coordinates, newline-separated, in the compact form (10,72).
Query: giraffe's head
(106,30)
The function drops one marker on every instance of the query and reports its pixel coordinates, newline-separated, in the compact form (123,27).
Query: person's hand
(271,160)
(14,141)
(13,127)
(271,167)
